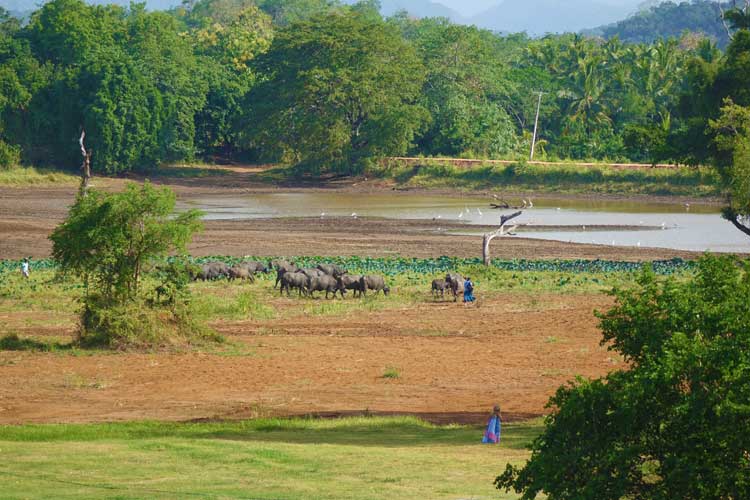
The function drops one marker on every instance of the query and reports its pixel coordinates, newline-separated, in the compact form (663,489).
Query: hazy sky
(468,8)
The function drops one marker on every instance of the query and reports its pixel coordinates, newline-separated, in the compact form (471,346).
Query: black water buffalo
(351,282)
(455,283)
(311,272)
(438,288)
(255,266)
(325,283)
(373,282)
(283,267)
(213,270)
(290,280)
(240,272)
(332,269)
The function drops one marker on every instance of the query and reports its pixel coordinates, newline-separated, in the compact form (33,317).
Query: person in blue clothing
(494,427)
(468,290)
(25,268)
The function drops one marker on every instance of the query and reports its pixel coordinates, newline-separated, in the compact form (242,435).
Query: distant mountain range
(421,8)
(537,17)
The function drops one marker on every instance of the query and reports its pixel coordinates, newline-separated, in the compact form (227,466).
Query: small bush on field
(137,324)
(391,373)
(12,342)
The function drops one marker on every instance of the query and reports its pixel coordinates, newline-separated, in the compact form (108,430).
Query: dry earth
(453,362)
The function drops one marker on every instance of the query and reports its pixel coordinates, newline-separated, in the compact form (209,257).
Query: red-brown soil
(453,362)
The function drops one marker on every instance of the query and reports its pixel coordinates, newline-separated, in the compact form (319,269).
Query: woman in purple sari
(494,426)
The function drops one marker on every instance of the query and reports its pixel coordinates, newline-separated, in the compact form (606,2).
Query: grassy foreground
(350,458)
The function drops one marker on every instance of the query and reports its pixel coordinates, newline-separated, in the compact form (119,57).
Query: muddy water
(678,226)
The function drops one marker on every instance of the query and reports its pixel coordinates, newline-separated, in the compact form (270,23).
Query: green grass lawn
(350,458)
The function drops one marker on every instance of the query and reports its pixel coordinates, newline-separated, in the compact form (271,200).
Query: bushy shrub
(9,155)
(137,324)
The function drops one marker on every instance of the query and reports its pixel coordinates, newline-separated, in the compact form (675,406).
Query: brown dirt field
(454,363)
(28,216)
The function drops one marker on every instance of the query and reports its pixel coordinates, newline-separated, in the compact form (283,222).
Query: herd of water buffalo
(328,278)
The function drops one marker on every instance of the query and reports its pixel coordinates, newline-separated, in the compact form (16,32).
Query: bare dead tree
(502,204)
(738,220)
(733,11)
(85,166)
(723,20)
(500,231)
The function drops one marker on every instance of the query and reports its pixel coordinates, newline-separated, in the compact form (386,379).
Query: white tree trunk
(500,231)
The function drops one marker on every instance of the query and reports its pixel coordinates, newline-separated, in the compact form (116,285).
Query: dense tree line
(330,87)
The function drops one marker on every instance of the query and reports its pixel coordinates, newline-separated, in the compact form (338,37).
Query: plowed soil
(452,363)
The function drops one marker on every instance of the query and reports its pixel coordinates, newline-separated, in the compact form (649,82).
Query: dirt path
(452,362)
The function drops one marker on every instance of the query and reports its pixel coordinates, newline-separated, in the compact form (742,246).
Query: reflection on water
(686,227)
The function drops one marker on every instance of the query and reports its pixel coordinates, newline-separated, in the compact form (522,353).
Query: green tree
(738,17)
(286,12)
(227,39)
(733,79)
(465,79)
(13,93)
(107,239)
(676,423)
(732,139)
(339,89)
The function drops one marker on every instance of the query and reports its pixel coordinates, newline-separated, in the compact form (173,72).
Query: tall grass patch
(31,176)
(685,181)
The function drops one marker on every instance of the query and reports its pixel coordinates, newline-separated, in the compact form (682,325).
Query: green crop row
(399,265)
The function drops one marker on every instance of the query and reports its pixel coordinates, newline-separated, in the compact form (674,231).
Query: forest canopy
(331,87)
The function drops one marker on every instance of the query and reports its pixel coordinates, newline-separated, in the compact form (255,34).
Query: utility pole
(536,122)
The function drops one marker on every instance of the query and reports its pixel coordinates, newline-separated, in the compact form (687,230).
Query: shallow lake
(678,226)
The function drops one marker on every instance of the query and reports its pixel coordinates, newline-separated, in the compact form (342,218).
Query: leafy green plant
(676,423)
(391,372)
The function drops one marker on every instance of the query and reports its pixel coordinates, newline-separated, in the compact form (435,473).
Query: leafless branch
(723,20)
(500,231)
(85,166)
